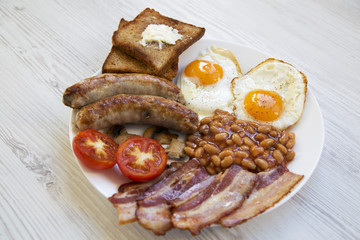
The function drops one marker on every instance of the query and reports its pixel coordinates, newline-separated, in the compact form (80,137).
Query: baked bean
(237,161)
(290,155)
(248,163)
(245,148)
(218,169)
(274,133)
(204,129)
(216,160)
(241,122)
(256,150)
(284,138)
(247,141)
(250,129)
(216,124)
(267,143)
(221,136)
(227,119)
(207,138)
(260,136)
(211,164)
(237,139)
(282,148)
(203,161)
(261,163)
(278,156)
(190,144)
(199,152)
(226,162)
(241,154)
(221,112)
(229,142)
(211,149)
(189,151)
(219,117)
(290,143)
(242,134)
(202,143)
(210,170)
(236,128)
(214,129)
(206,120)
(264,129)
(291,135)
(194,138)
(226,153)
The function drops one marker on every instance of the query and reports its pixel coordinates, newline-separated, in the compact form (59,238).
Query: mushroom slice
(175,149)
(119,133)
(160,134)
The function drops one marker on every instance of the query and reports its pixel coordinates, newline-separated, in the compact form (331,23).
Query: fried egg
(273,93)
(206,82)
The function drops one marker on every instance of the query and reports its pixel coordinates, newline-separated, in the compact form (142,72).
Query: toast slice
(127,38)
(119,62)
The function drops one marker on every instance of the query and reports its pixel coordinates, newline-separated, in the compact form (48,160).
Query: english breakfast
(236,128)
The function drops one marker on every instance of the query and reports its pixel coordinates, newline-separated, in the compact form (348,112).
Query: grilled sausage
(139,109)
(102,86)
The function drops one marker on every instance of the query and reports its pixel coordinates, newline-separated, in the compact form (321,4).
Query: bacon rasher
(125,200)
(153,210)
(224,194)
(270,188)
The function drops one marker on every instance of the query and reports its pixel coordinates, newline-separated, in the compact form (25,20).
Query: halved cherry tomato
(95,149)
(141,158)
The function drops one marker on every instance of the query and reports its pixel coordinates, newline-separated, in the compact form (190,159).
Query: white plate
(309,130)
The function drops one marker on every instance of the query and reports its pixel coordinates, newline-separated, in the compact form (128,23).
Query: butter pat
(159,33)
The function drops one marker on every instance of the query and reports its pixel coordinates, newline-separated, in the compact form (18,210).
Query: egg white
(205,99)
(277,76)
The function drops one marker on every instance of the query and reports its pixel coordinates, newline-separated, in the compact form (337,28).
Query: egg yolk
(263,105)
(206,72)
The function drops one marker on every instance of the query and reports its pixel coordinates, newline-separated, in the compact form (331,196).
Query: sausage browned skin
(139,109)
(102,86)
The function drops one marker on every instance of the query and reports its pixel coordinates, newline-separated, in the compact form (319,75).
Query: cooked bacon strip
(153,210)
(225,194)
(271,187)
(125,200)
(191,192)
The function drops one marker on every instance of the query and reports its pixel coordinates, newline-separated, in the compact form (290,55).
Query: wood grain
(46,46)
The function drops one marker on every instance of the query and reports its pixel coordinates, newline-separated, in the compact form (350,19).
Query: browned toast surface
(127,39)
(119,62)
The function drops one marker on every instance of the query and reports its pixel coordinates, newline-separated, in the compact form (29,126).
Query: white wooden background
(47,45)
